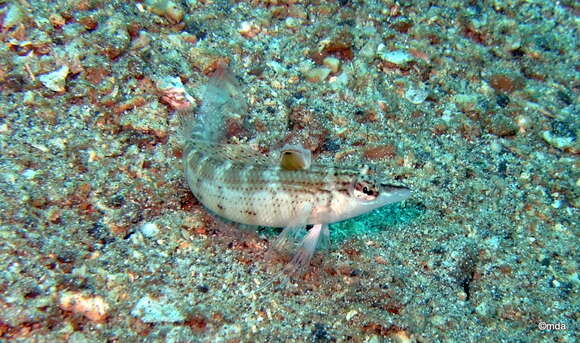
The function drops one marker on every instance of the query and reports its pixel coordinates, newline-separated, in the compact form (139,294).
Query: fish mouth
(395,191)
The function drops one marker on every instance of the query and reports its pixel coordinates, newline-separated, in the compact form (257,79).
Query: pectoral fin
(301,259)
(295,157)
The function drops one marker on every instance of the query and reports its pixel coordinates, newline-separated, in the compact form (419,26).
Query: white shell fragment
(174,94)
(560,142)
(416,94)
(149,230)
(398,57)
(55,81)
(157,310)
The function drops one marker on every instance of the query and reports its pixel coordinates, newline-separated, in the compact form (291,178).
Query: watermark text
(551,326)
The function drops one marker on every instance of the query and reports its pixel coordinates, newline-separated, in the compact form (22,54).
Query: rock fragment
(55,80)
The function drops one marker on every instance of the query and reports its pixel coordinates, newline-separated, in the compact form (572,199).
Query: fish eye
(364,191)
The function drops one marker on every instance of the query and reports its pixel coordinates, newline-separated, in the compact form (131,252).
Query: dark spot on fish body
(329,199)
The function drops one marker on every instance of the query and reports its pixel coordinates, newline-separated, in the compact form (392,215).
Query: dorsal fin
(245,154)
(221,99)
(234,152)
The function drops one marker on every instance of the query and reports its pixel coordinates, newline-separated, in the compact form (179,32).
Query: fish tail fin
(221,98)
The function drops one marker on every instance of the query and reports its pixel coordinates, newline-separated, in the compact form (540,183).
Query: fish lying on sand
(245,186)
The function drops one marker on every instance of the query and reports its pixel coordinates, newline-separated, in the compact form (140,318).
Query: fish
(284,189)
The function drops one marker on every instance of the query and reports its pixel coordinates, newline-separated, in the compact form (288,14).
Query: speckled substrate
(475,107)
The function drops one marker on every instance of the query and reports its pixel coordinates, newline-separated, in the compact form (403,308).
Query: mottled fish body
(244,186)
(255,191)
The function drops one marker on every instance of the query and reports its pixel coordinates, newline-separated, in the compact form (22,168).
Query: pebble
(172,11)
(416,95)
(561,136)
(317,74)
(149,230)
(398,57)
(151,310)
(93,308)
(55,80)
(351,314)
(332,63)
(249,29)
(173,93)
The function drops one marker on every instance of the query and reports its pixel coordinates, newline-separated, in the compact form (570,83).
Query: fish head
(365,194)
